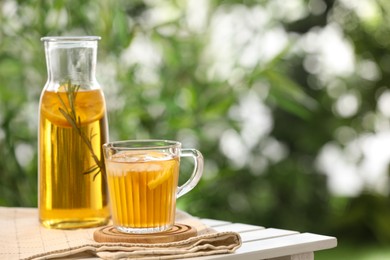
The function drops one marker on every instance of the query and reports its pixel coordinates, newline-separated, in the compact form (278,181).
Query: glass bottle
(72,129)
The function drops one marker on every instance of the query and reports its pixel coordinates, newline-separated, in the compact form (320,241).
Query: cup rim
(144,144)
(70,38)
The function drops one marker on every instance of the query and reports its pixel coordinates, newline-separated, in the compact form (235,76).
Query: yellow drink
(142,192)
(69,196)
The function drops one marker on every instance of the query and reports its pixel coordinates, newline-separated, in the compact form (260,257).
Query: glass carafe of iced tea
(72,129)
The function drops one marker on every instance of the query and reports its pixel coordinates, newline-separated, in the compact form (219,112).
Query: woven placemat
(24,238)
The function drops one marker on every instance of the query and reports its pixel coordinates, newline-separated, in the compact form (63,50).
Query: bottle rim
(69,38)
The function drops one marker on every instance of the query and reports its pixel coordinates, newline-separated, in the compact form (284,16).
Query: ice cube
(144,167)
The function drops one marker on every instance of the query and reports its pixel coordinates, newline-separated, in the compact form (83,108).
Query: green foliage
(162,81)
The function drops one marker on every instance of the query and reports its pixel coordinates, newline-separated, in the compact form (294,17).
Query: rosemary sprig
(70,115)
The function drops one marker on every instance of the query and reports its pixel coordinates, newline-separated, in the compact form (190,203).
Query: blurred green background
(288,101)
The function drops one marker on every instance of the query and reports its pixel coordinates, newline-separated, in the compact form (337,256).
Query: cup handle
(196,174)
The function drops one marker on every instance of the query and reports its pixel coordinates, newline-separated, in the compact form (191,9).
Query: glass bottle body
(72,130)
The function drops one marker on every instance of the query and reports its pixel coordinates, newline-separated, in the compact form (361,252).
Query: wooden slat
(214,222)
(286,245)
(237,227)
(265,234)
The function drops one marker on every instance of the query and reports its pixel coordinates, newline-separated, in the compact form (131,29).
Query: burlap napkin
(22,237)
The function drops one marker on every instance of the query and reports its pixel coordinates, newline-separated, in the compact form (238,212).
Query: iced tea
(142,188)
(70,198)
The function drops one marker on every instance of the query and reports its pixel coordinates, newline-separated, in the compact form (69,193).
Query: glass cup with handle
(142,177)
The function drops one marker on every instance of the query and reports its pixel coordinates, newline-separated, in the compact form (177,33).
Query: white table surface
(270,243)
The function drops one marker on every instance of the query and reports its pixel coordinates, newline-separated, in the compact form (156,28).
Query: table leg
(303,256)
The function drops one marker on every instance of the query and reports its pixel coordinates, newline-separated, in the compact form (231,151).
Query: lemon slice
(89,107)
(163,176)
(55,116)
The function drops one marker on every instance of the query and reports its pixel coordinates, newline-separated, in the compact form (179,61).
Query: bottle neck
(71,61)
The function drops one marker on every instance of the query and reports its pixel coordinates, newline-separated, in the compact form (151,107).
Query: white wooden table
(267,243)
(270,243)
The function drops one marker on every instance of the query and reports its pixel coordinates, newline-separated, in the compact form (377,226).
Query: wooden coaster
(176,233)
